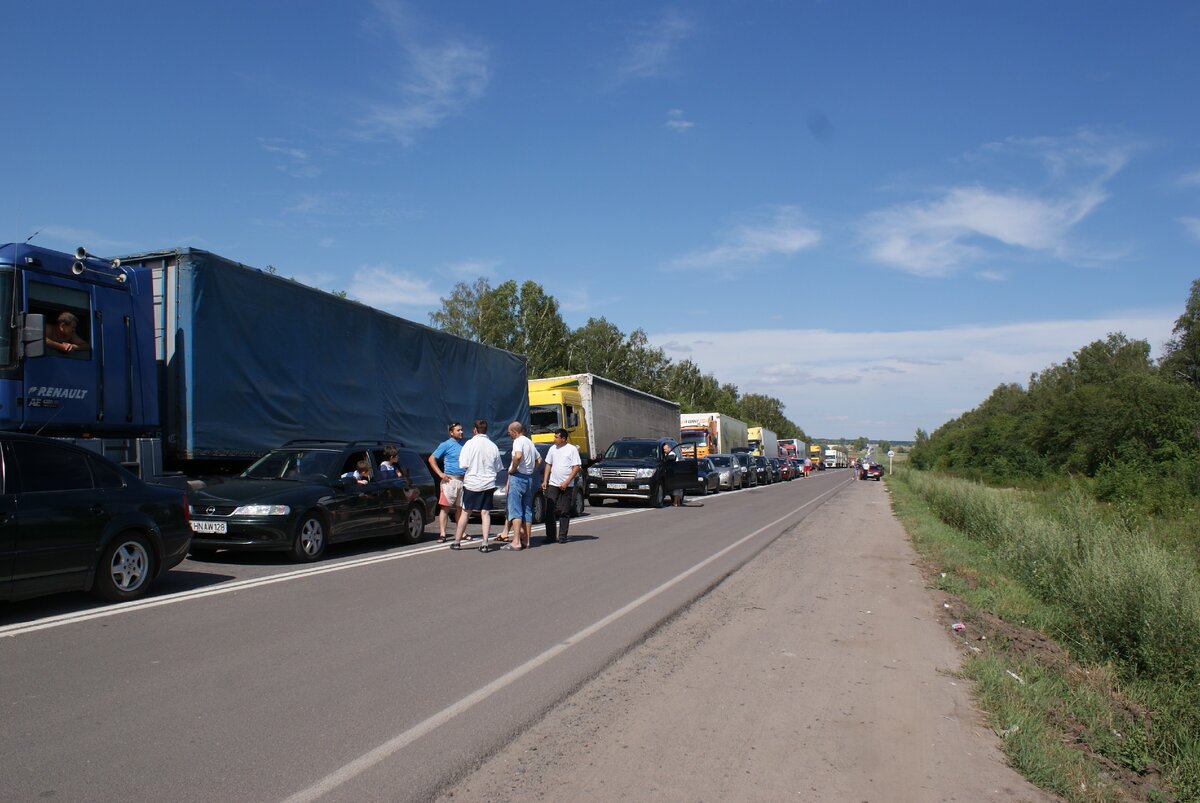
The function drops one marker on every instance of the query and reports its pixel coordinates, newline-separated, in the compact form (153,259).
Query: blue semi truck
(184,362)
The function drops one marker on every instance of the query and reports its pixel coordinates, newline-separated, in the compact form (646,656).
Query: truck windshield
(301,465)
(694,436)
(6,328)
(544,418)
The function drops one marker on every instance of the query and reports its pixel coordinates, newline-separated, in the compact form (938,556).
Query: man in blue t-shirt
(451,476)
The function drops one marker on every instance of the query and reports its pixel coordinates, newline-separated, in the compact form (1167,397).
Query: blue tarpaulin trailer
(249,360)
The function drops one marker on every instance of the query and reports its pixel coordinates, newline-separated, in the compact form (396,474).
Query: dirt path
(819,672)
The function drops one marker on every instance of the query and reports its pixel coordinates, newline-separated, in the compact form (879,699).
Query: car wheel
(414,525)
(704,489)
(308,544)
(577,506)
(125,569)
(656,496)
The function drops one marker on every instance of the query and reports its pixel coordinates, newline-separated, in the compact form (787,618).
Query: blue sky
(874,211)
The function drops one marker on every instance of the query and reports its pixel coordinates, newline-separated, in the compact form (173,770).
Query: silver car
(731,472)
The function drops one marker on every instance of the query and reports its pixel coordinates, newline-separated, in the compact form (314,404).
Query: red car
(874,471)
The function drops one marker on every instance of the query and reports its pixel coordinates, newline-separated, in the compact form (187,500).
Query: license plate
(209,527)
(617,486)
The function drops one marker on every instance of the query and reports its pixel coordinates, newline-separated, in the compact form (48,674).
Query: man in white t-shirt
(480,461)
(562,468)
(525,459)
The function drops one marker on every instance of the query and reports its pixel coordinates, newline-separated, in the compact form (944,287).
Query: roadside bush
(1135,603)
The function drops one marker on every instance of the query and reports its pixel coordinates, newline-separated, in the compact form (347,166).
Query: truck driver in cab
(64,337)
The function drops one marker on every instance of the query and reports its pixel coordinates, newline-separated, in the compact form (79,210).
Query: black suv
(641,470)
(298,499)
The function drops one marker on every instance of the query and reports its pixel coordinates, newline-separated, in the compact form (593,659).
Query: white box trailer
(596,411)
(713,433)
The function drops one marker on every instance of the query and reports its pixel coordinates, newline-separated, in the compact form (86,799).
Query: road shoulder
(819,671)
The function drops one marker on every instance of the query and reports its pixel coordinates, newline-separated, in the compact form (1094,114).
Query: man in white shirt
(562,467)
(480,462)
(520,486)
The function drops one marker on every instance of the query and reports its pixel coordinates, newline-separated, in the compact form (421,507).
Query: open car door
(682,473)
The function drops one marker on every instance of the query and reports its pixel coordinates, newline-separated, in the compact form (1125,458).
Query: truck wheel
(309,542)
(656,496)
(125,569)
(414,525)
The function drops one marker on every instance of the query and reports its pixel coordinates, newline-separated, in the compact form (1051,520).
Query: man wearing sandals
(480,462)
(520,486)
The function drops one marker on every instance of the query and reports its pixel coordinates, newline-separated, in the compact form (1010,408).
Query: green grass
(1123,703)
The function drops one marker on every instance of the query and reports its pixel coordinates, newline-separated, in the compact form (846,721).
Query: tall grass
(1126,599)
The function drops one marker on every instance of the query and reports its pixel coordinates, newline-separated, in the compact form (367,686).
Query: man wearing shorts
(451,475)
(520,486)
(480,462)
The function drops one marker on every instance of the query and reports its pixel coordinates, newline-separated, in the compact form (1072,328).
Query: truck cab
(642,470)
(77,353)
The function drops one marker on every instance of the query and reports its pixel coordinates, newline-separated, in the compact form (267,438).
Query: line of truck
(195,364)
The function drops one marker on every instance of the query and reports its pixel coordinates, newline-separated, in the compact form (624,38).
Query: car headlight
(262,510)
(644,473)
(725,476)
(594,471)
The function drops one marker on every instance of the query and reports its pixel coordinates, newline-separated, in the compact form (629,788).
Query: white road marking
(369,759)
(23,628)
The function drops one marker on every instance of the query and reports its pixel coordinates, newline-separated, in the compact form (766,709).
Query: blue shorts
(520,497)
(476,501)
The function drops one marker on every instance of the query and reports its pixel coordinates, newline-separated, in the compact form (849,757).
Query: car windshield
(300,465)
(721,461)
(635,450)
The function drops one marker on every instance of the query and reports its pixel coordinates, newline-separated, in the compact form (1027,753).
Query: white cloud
(783,233)
(963,224)
(651,48)
(471,269)
(838,383)
(386,287)
(295,161)
(1191,179)
(677,121)
(436,81)
(1192,224)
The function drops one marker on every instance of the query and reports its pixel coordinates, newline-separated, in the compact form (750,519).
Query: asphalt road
(382,673)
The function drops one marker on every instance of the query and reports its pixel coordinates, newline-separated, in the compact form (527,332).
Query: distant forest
(1109,414)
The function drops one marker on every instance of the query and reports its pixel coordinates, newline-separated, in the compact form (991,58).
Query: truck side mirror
(33,335)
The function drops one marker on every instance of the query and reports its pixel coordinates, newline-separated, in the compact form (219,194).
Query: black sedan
(304,496)
(710,476)
(71,520)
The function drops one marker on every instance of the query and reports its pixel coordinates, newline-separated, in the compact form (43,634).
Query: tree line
(1109,413)
(524,319)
